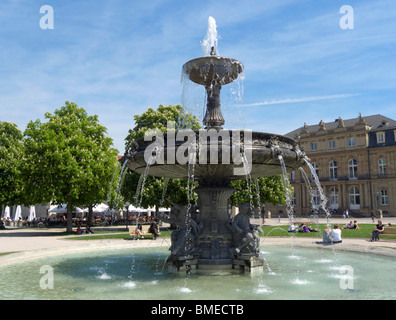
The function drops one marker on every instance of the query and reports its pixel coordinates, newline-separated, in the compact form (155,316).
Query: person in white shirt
(337,234)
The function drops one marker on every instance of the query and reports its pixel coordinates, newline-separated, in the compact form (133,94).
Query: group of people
(332,235)
(81,231)
(303,228)
(138,231)
(351,225)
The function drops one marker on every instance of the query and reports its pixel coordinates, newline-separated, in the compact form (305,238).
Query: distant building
(355,160)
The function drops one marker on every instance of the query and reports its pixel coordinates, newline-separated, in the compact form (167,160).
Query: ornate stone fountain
(208,238)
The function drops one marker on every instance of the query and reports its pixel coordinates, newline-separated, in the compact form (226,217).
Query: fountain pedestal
(218,243)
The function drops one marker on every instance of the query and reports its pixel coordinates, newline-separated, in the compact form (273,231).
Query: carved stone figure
(183,238)
(246,236)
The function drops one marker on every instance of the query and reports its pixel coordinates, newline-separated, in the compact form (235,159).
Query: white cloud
(297,100)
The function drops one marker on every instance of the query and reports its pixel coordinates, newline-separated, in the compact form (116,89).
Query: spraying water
(323,199)
(209,44)
(288,193)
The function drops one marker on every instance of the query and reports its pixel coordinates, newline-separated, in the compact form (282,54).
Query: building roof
(375,122)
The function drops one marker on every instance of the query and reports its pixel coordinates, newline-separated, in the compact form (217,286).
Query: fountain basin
(209,69)
(263,148)
(138,274)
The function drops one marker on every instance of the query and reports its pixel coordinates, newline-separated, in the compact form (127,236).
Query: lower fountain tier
(215,159)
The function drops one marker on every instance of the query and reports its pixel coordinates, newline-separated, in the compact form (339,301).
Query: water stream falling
(122,176)
(309,188)
(247,170)
(288,191)
(323,198)
(112,180)
(142,181)
(164,190)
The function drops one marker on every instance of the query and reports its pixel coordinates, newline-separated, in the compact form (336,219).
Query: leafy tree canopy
(258,191)
(68,159)
(10,157)
(161,119)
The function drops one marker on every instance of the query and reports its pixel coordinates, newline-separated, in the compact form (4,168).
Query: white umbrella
(63,209)
(132,208)
(6,213)
(102,207)
(18,213)
(32,213)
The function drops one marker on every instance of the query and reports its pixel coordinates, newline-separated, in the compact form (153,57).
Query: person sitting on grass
(304,228)
(348,225)
(293,227)
(336,234)
(88,230)
(79,231)
(327,235)
(355,225)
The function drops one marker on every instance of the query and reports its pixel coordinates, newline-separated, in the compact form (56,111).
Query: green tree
(258,191)
(152,193)
(159,120)
(11,185)
(68,159)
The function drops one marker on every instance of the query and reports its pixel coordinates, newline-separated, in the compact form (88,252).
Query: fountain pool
(140,273)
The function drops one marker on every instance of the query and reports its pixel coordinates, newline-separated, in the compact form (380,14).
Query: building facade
(355,161)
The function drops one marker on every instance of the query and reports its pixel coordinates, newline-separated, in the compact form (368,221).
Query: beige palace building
(355,160)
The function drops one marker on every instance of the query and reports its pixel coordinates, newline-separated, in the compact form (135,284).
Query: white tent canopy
(63,209)
(32,213)
(18,213)
(6,214)
(100,208)
(132,208)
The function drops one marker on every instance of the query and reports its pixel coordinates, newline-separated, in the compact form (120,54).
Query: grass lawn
(103,235)
(269,231)
(281,231)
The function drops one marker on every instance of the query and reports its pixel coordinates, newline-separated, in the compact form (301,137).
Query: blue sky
(117,58)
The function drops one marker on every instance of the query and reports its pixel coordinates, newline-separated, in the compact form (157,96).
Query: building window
(331,144)
(334,198)
(351,141)
(382,167)
(333,170)
(384,197)
(313,146)
(354,197)
(352,169)
(380,137)
(293,176)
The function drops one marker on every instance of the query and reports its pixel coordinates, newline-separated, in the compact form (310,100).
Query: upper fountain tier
(213,70)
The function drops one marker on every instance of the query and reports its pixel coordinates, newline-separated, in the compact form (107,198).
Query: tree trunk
(90,214)
(69,217)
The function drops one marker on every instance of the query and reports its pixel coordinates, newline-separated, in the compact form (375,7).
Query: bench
(388,231)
